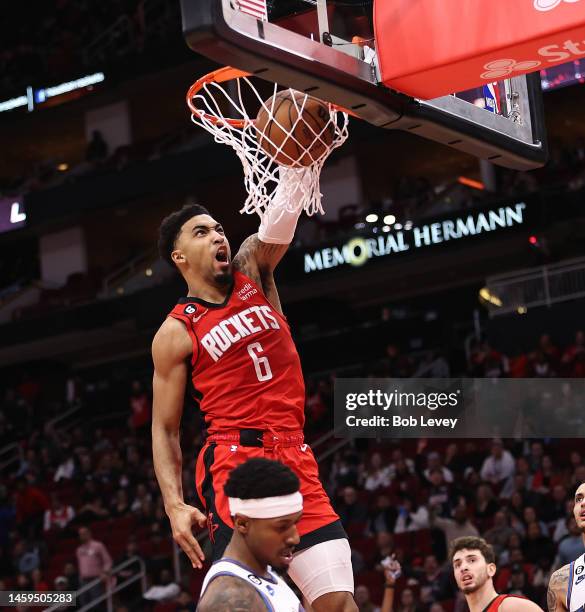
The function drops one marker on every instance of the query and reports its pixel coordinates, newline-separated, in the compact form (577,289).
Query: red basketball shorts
(224,451)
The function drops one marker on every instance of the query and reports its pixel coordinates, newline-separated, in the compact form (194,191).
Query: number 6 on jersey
(261,364)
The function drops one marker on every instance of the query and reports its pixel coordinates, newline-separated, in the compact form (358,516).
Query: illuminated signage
(360,249)
(12,214)
(38,96)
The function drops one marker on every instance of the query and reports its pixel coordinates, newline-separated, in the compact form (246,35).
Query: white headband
(267,507)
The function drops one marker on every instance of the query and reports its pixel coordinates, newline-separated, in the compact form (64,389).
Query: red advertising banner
(430,48)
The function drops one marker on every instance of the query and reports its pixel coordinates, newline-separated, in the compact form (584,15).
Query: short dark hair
(472,543)
(259,477)
(171,226)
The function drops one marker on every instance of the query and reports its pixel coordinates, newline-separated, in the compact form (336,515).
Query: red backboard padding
(430,48)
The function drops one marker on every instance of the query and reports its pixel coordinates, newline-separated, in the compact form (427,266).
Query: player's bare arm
(258,260)
(228,594)
(171,349)
(557,589)
(515,604)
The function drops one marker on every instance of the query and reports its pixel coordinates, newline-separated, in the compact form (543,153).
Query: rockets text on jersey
(245,368)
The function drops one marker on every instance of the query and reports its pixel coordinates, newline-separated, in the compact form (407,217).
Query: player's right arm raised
(171,349)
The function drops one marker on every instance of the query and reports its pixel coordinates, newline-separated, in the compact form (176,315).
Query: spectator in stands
(385,545)
(536,455)
(398,458)
(72,576)
(92,510)
(530,516)
(120,504)
(363,601)
(142,496)
(499,465)
(411,516)
(383,517)
(536,544)
(61,584)
(485,506)
(31,504)
(38,582)
(571,546)
(518,583)
(500,533)
(58,516)
(434,463)
(455,527)
(573,359)
(185,602)
(407,601)
(486,362)
(351,510)
(344,470)
(94,561)
(7,515)
(546,477)
(555,507)
(140,408)
(439,493)
(377,475)
(97,148)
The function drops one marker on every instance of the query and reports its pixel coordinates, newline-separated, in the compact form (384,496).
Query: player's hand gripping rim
(182,519)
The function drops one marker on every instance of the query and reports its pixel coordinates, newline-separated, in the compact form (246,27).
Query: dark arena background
(97,146)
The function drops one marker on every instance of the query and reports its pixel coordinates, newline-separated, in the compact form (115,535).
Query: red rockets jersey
(246,371)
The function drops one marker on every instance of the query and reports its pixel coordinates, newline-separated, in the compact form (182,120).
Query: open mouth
(221,255)
(286,556)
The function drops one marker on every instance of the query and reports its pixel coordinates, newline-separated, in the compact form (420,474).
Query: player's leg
(324,575)
(214,464)
(322,568)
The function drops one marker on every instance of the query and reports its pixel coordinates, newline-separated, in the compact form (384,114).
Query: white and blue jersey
(576,588)
(273,590)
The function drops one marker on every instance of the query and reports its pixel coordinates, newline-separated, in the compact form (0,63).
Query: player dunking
(474,567)
(566,588)
(229,340)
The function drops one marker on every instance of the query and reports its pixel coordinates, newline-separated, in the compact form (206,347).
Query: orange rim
(221,76)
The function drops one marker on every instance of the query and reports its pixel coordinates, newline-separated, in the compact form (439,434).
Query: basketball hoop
(216,101)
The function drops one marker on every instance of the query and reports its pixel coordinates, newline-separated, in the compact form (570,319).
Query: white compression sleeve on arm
(279,221)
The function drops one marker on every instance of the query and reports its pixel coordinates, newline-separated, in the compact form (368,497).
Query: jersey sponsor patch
(254,579)
(190,309)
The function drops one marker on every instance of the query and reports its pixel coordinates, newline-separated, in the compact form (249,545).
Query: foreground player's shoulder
(171,342)
(512,604)
(557,589)
(231,594)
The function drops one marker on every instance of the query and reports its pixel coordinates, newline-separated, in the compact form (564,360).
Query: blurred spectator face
(580,474)
(436,607)
(579,508)
(396,455)
(500,520)
(362,595)
(434,461)
(471,570)
(484,493)
(22,582)
(431,565)
(436,477)
(382,502)
(580,338)
(497,449)
(376,461)
(519,482)
(529,515)
(383,539)
(514,541)
(61,583)
(559,493)
(349,495)
(131,549)
(575,458)
(460,514)
(547,463)
(522,466)
(537,450)
(516,555)
(407,598)
(84,535)
(517,580)
(533,531)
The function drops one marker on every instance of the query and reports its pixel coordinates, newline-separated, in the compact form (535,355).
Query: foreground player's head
(265,504)
(579,507)
(474,563)
(193,241)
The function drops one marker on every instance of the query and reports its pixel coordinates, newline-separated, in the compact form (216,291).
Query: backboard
(327,48)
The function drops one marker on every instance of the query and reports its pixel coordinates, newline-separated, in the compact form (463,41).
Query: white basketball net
(236,128)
